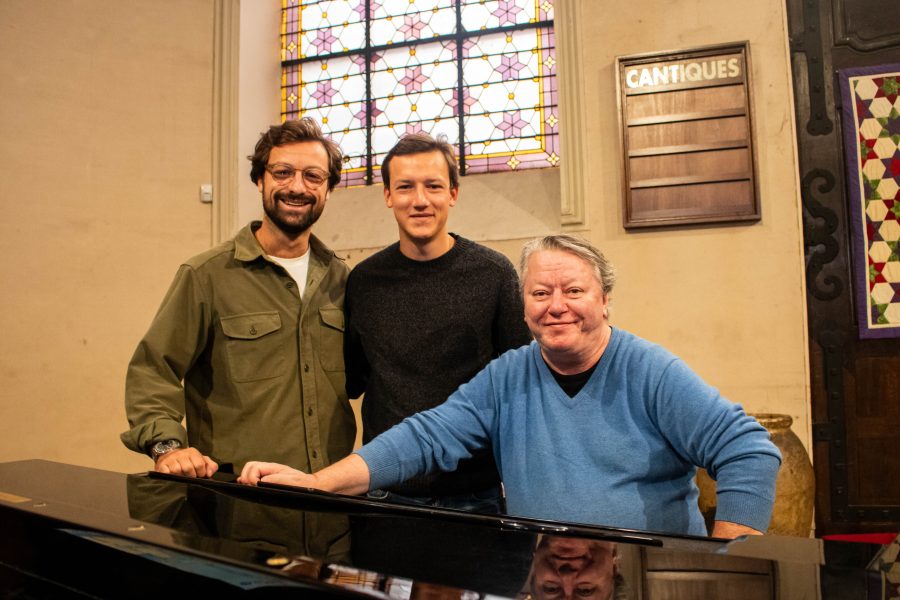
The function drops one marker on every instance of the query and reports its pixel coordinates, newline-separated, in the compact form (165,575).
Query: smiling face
(565,309)
(292,206)
(420,196)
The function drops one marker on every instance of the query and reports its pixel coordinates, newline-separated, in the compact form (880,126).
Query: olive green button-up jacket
(255,372)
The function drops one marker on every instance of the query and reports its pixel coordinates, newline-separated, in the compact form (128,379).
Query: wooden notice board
(687,135)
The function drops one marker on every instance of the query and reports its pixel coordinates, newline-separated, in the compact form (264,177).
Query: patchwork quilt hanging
(871,124)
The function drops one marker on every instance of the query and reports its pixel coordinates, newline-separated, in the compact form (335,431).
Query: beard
(291,223)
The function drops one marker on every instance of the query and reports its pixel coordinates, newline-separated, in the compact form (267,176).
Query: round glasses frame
(313,177)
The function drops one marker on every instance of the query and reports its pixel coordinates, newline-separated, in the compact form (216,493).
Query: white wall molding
(567,30)
(226,55)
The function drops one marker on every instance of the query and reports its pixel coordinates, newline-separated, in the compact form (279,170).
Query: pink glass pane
(487,14)
(395,21)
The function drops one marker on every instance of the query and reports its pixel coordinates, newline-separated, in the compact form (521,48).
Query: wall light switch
(206,193)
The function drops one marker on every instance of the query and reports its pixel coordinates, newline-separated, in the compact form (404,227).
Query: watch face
(160,448)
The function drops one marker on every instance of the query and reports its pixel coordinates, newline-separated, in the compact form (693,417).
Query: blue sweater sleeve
(712,432)
(435,439)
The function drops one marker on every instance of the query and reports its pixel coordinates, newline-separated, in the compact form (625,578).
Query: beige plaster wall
(104,140)
(728,299)
(490,207)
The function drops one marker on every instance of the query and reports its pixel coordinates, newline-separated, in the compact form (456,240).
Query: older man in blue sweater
(588,423)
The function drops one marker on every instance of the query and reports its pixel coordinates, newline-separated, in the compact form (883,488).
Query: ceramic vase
(794,489)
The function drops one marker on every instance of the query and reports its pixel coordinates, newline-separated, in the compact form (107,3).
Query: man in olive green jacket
(247,345)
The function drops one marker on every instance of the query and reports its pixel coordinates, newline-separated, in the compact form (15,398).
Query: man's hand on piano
(254,472)
(729,530)
(350,475)
(188,462)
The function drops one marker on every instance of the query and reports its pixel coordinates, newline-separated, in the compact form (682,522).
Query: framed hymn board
(687,136)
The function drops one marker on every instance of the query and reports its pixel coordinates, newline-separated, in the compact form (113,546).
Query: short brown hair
(289,132)
(420,143)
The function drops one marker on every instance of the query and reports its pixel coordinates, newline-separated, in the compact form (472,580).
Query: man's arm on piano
(349,475)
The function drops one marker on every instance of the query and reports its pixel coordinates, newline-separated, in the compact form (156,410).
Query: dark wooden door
(855,383)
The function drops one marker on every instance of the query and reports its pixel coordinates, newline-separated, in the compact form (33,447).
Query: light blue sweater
(621,453)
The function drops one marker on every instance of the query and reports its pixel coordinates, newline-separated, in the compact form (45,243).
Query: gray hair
(602,268)
(621,589)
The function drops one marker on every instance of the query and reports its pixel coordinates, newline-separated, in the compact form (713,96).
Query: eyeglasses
(313,177)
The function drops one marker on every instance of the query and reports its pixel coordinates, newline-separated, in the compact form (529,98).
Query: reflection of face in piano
(566,568)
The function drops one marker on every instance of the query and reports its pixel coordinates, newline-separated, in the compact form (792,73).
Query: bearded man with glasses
(247,346)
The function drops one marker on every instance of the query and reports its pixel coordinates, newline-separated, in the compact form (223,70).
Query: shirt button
(289,284)
(309,411)
(315,454)
(252,330)
(306,368)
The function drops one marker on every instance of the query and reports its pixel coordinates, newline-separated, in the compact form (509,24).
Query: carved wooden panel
(855,385)
(861,24)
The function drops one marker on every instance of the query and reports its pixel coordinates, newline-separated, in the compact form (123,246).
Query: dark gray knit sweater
(416,331)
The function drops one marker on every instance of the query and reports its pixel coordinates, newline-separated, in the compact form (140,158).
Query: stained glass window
(482,72)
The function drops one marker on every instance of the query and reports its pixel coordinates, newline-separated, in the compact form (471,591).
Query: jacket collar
(248,249)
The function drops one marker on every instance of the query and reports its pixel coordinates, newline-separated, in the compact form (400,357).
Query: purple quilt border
(860,250)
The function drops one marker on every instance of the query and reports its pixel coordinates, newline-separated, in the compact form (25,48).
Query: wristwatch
(164,447)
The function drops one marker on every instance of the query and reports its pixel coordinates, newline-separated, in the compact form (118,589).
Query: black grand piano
(74,532)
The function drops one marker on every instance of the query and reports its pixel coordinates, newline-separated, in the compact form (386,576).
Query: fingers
(250,473)
(211,466)
(188,462)
(255,471)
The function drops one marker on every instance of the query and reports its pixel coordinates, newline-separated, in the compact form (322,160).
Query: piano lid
(262,538)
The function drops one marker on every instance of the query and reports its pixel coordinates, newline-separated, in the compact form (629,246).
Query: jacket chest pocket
(331,338)
(254,348)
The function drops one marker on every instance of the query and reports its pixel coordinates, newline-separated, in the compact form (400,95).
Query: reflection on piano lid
(71,530)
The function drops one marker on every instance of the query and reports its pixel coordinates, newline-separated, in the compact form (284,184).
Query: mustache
(295,197)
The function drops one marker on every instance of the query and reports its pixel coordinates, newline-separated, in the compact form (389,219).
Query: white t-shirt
(297,268)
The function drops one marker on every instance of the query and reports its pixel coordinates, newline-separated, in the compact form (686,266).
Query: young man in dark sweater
(425,314)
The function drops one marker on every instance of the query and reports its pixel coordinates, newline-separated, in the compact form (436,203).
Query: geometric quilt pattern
(889,565)
(872,147)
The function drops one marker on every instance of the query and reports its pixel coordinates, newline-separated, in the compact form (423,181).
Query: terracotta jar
(794,489)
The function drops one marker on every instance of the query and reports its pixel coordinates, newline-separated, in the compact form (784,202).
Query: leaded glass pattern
(482,72)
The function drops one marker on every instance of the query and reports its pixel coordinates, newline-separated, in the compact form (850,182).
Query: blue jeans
(489,501)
